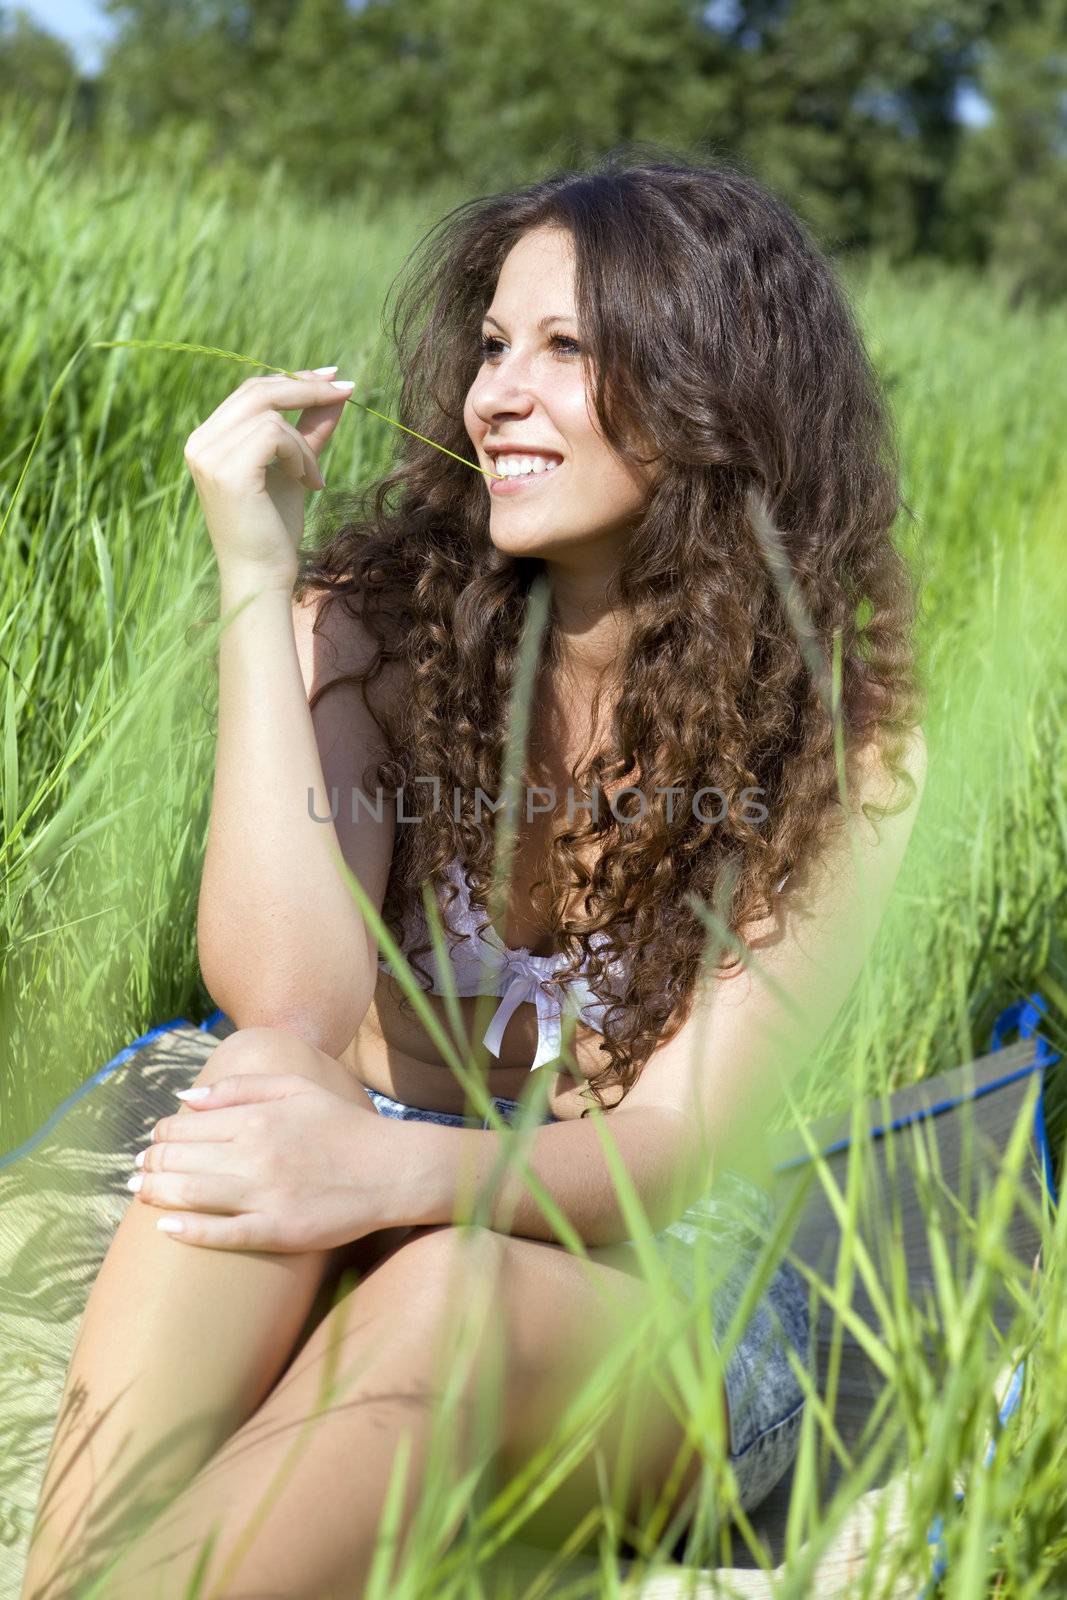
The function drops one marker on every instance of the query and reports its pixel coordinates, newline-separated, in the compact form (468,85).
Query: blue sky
(87,29)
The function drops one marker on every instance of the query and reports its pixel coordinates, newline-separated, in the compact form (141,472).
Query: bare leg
(290,1507)
(175,1351)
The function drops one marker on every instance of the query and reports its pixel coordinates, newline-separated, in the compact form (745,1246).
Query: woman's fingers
(195,1125)
(255,516)
(258,397)
(189,1174)
(315,424)
(185,1191)
(269,391)
(267,436)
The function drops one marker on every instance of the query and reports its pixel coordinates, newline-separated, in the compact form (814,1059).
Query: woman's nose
(504,403)
(509,386)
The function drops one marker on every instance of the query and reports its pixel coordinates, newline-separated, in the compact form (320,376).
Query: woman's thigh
(587,1328)
(546,1325)
(573,1323)
(176,1347)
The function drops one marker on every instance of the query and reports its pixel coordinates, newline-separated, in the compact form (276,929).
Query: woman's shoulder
(877,761)
(338,643)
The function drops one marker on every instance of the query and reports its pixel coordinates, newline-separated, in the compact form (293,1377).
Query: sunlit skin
(534,387)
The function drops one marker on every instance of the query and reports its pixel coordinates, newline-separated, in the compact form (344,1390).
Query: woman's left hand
(271,1162)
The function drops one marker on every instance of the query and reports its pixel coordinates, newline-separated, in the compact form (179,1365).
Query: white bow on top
(525,983)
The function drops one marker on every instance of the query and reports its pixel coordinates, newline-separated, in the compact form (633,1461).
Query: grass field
(108,593)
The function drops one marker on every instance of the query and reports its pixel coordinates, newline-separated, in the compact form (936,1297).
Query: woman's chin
(515,542)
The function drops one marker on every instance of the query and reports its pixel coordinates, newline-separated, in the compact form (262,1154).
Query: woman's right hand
(252,469)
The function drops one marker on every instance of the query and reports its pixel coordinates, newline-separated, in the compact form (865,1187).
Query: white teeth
(519,466)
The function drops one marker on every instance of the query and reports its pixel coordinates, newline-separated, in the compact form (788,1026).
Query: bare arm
(280,938)
(441,1171)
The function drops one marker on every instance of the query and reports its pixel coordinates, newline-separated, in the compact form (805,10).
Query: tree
(849,111)
(1012,181)
(38,74)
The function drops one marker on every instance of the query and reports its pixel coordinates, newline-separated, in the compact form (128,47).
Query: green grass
(107,671)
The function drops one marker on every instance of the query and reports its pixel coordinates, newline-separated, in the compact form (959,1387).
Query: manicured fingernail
(138,1159)
(344,383)
(135,1183)
(193,1094)
(170,1225)
(324,372)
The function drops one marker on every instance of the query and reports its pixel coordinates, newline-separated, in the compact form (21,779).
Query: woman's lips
(511,485)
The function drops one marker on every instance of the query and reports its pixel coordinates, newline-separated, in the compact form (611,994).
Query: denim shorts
(764,1397)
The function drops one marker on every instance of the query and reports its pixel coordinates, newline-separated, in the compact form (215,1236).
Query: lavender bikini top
(483,964)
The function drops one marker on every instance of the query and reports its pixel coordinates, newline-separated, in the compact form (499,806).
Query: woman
(679,441)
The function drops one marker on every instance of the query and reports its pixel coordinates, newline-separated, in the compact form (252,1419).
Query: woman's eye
(489,345)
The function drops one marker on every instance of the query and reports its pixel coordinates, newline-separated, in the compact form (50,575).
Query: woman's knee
(439,1253)
(267,1049)
(438,1272)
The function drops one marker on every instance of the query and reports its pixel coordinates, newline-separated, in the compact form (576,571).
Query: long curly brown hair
(764,595)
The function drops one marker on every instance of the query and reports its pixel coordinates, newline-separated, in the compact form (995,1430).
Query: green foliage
(32,59)
(849,110)
(1010,179)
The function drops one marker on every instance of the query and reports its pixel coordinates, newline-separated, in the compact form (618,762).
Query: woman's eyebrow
(544,323)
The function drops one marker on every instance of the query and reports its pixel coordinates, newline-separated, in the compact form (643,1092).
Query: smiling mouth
(514,480)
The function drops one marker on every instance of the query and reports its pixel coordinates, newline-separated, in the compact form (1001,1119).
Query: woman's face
(531,397)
